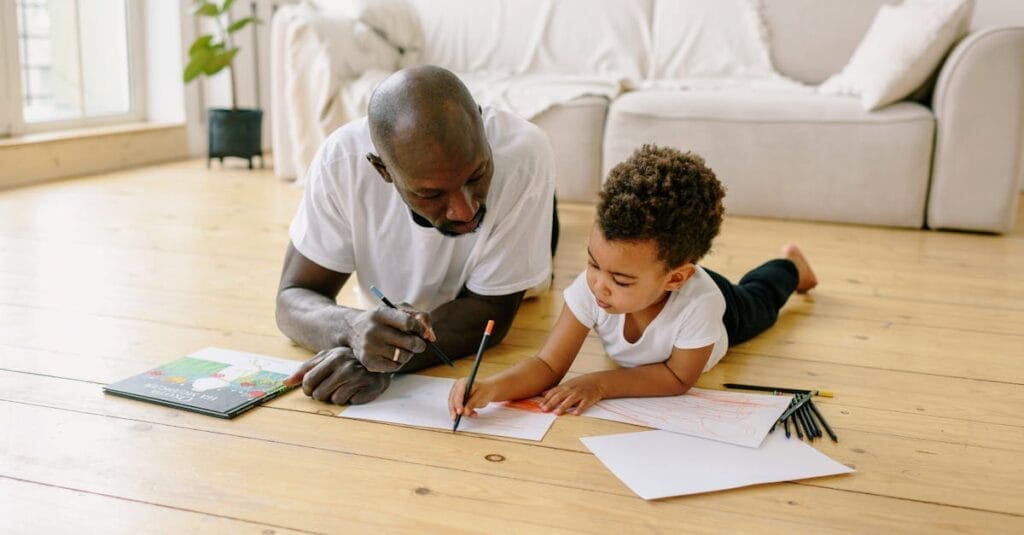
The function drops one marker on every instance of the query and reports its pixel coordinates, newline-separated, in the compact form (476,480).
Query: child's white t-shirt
(351,220)
(691,319)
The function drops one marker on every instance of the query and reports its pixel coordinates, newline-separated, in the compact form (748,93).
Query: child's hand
(581,392)
(483,393)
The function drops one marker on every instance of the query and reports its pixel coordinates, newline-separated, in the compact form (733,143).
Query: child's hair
(664,195)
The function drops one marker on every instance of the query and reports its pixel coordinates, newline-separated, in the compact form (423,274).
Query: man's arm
(459,325)
(308,313)
(306,308)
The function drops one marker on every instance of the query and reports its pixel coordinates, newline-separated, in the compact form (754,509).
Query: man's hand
(336,376)
(386,338)
(581,392)
(483,393)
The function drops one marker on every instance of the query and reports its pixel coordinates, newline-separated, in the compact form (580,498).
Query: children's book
(213,381)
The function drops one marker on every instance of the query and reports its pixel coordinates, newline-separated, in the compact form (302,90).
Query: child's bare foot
(807,279)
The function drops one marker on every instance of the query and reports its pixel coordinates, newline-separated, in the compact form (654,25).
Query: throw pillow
(903,46)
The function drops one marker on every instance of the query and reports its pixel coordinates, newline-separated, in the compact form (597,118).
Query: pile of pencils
(805,419)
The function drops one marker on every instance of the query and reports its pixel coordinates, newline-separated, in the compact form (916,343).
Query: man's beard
(448,227)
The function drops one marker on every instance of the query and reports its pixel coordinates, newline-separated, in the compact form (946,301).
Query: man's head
(431,145)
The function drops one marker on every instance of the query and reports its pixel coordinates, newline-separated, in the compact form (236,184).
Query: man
(440,204)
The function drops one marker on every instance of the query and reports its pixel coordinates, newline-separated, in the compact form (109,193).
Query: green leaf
(197,63)
(205,9)
(202,43)
(227,5)
(242,23)
(219,61)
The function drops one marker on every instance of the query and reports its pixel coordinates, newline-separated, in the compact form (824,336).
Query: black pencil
(796,426)
(812,430)
(472,374)
(828,429)
(795,404)
(822,393)
(785,425)
(437,350)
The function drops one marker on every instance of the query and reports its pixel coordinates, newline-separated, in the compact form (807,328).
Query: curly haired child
(660,316)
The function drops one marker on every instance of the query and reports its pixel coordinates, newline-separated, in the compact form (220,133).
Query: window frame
(12,121)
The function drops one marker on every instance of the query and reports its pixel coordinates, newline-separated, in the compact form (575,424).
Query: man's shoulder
(348,140)
(520,150)
(513,136)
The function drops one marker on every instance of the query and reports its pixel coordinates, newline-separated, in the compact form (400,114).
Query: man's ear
(678,277)
(378,164)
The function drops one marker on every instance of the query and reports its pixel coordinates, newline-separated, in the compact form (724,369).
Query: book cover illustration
(213,381)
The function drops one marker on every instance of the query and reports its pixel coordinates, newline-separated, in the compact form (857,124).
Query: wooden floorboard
(918,333)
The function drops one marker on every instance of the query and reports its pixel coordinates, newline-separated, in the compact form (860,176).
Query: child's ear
(678,277)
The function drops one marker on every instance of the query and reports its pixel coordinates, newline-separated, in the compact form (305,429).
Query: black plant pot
(236,133)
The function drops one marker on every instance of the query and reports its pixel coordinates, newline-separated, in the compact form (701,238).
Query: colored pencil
(472,374)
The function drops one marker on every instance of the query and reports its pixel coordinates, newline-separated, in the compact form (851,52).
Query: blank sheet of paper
(422,401)
(659,464)
(733,417)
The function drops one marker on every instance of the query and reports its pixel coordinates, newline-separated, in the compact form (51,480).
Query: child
(659,315)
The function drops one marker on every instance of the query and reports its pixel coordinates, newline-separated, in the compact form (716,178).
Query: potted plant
(235,131)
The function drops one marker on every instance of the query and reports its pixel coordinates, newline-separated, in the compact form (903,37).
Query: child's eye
(622,284)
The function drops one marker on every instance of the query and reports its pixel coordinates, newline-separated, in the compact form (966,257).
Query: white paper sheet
(422,401)
(733,417)
(659,464)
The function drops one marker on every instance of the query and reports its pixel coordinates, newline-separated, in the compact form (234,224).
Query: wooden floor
(920,334)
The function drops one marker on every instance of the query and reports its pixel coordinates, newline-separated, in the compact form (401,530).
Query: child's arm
(670,378)
(528,377)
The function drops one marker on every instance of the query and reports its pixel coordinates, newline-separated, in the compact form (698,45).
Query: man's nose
(462,206)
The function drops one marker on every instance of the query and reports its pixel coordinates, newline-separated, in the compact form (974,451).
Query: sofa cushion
(903,46)
(592,37)
(812,39)
(708,39)
(789,155)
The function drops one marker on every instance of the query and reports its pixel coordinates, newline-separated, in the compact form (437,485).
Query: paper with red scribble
(733,417)
(422,401)
(529,404)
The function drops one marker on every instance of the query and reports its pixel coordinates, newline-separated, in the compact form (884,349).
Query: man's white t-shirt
(691,319)
(351,220)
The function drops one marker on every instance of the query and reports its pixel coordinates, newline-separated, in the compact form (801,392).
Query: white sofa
(600,77)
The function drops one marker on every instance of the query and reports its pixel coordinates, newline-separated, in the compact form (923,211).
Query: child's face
(627,276)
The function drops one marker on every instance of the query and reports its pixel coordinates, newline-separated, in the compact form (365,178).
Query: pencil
(796,425)
(798,401)
(812,430)
(822,393)
(831,433)
(472,374)
(785,425)
(437,350)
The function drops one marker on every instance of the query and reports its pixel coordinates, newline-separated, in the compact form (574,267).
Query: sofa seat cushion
(789,154)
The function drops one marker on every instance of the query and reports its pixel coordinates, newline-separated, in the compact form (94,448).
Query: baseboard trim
(39,158)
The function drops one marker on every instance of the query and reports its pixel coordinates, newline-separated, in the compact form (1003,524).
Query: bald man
(444,206)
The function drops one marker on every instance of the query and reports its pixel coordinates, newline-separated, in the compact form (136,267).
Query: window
(68,63)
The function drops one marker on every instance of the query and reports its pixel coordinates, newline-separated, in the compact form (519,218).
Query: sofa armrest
(979,133)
